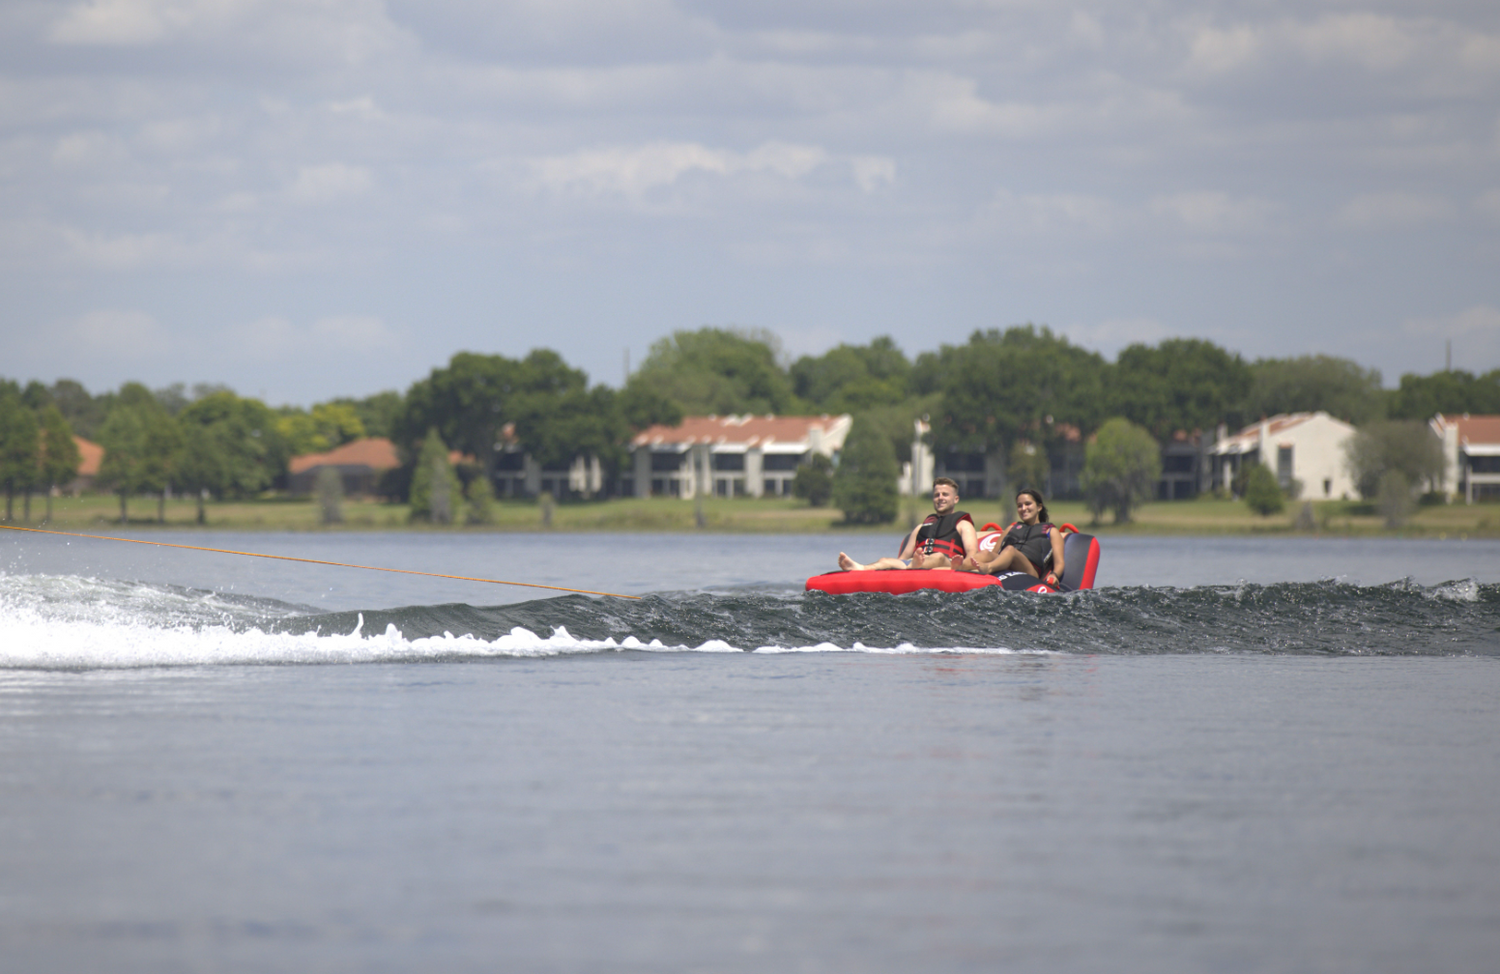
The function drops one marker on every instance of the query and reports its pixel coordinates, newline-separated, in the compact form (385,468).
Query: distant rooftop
(375,452)
(745,431)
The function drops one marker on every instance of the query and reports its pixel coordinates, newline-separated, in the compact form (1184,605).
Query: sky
(306,199)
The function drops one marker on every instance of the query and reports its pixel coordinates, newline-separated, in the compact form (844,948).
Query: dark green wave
(1323,618)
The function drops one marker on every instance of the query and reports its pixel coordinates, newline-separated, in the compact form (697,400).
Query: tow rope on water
(318,561)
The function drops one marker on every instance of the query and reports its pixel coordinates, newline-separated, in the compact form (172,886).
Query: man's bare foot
(849,564)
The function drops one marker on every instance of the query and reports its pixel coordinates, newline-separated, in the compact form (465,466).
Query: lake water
(1234,755)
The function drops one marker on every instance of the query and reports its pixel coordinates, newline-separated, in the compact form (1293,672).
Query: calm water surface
(1236,755)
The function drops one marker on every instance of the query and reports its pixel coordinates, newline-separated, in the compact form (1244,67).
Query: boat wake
(71,622)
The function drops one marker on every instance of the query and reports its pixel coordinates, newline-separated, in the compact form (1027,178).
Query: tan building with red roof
(90,456)
(729,456)
(1471,451)
(360,463)
(1306,447)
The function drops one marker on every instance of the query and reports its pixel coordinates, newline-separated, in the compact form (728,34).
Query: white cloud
(1442,51)
(1489,203)
(357,334)
(114,334)
(1061,213)
(1217,50)
(872,173)
(84,150)
(1208,211)
(1375,41)
(634,171)
(332,32)
(1474,332)
(1393,210)
(1113,334)
(330,183)
(126,251)
(344,337)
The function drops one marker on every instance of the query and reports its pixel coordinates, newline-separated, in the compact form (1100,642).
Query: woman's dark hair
(1042,517)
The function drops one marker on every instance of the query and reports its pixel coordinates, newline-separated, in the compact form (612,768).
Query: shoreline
(1206,517)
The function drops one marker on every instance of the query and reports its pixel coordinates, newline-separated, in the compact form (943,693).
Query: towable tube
(1080,562)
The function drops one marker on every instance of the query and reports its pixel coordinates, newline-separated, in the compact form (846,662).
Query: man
(945,541)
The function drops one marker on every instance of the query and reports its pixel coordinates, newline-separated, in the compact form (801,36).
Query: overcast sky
(306,199)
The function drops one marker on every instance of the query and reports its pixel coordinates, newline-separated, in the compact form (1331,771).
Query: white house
(1307,447)
(917,473)
(1471,454)
(729,456)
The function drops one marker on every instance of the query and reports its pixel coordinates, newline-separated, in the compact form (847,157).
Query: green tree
(1120,469)
(1406,445)
(203,466)
(896,421)
(141,444)
(243,450)
(642,406)
(1393,498)
(481,497)
(814,480)
(1028,466)
(328,485)
(435,487)
(1262,492)
(851,378)
(1422,397)
(320,429)
(1021,382)
(1309,383)
(20,446)
(718,371)
(864,485)
(467,402)
(557,417)
(1180,384)
(82,411)
(377,413)
(59,453)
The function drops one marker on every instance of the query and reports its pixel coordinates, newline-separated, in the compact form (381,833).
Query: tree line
(1018,392)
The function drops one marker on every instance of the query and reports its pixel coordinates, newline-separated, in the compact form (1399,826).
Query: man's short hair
(946,482)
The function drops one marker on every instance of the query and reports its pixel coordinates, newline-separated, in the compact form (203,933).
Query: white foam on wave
(28,641)
(68,623)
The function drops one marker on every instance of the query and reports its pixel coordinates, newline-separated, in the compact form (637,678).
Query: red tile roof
(91,455)
(1475,429)
(375,452)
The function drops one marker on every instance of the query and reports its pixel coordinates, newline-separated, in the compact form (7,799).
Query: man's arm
(970,538)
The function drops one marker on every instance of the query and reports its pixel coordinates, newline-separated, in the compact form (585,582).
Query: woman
(1031,545)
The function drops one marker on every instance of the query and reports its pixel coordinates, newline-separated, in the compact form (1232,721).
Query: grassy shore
(1204,516)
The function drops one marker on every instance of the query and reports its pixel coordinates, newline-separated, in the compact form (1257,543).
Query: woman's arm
(1057,554)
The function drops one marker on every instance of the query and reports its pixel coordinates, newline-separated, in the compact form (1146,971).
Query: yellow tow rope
(318,561)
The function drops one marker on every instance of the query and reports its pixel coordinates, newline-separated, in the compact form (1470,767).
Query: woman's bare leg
(1007,559)
(885,564)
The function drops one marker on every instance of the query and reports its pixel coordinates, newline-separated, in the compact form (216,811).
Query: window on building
(729,461)
(782,461)
(666,462)
(1484,464)
(1284,466)
(1178,463)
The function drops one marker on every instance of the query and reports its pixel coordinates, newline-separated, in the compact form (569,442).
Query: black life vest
(939,535)
(1032,540)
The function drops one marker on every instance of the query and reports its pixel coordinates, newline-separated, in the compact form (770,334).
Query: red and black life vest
(939,535)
